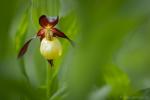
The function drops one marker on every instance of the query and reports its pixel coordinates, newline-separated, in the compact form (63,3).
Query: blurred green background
(111,59)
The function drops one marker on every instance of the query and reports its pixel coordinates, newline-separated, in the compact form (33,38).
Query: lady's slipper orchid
(50,46)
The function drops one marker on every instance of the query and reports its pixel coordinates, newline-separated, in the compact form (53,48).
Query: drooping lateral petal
(24,48)
(43,21)
(58,33)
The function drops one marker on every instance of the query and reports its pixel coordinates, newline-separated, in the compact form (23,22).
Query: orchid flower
(50,46)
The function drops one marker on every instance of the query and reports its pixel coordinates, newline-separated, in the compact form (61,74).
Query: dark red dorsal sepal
(43,21)
(48,21)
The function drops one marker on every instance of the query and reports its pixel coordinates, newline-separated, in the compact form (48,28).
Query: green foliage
(110,59)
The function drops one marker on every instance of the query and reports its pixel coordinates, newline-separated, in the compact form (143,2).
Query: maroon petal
(41,33)
(58,33)
(45,21)
(24,48)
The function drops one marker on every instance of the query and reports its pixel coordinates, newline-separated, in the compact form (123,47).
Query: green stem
(50,71)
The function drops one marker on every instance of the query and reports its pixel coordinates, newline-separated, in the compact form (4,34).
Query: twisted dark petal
(43,21)
(58,33)
(24,48)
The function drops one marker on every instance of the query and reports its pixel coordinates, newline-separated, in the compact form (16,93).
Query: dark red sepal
(45,21)
(58,33)
(24,48)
